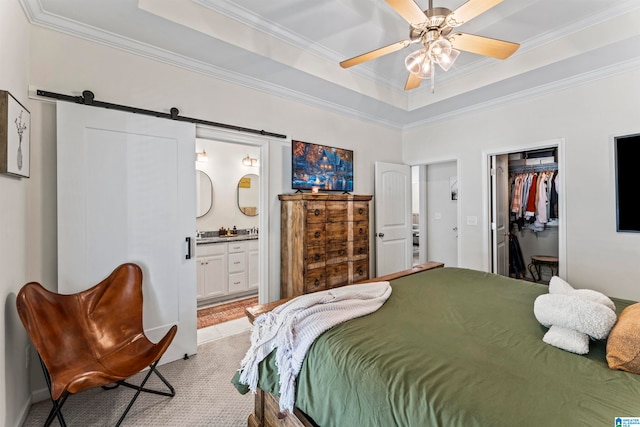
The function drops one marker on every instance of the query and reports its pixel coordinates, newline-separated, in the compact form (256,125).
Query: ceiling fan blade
(409,10)
(413,82)
(374,54)
(470,10)
(483,45)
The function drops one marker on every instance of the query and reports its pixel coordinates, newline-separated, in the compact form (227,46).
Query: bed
(450,347)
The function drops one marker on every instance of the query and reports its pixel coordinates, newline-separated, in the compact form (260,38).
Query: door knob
(455,228)
(380,234)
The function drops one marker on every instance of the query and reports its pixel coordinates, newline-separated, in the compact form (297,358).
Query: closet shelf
(533,168)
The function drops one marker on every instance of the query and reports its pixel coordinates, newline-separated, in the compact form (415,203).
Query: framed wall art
(15,132)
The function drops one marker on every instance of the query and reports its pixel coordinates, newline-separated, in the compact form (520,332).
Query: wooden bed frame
(266,411)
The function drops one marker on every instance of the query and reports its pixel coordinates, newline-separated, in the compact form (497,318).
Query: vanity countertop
(236,238)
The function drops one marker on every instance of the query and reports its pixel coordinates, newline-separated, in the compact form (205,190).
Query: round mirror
(248,194)
(204,194)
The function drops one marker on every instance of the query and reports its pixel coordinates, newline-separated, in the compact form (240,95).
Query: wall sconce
(202,157)
(249,161)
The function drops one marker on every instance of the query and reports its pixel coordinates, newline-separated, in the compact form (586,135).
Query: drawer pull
(361,230)
(361,250)
(317,257)
(236,283)
(237,262)
(360,211)
(316,212)
(317,234)
(316,282)
(360,272)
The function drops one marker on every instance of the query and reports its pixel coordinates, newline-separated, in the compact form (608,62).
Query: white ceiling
(293,48)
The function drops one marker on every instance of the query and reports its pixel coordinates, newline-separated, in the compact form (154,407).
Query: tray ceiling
(292,48)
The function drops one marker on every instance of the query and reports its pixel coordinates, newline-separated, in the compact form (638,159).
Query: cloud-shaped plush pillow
(574,315)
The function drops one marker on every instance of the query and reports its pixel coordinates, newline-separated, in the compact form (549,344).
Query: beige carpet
(204,395)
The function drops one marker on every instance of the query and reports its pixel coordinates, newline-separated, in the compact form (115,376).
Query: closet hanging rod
(87,98)
(533,168)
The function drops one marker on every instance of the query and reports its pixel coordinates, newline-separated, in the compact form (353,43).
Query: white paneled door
(126,193)
(442,212)
(499,214)
(392,203)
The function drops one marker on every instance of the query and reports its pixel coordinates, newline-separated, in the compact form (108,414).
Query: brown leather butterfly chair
(92,338)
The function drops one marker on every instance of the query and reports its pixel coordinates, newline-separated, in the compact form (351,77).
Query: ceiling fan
(433,30)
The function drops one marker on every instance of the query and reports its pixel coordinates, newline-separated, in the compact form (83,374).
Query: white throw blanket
(293,326)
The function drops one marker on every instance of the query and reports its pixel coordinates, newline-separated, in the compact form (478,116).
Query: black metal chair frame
(56,410)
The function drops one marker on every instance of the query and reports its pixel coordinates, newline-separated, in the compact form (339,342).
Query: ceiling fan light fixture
(446,61)
(419,63)
(433,29)
(414,61)
(440,48)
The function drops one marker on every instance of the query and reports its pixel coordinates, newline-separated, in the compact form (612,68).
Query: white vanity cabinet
(237,267)
(212,270)
(253,260)
(227,269)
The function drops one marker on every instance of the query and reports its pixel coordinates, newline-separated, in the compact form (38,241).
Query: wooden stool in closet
(540,261)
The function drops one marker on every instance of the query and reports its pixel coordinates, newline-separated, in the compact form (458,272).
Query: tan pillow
(623,345)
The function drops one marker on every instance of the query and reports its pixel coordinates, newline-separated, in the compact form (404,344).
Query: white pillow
(559,286)
(567,339)
(574,312)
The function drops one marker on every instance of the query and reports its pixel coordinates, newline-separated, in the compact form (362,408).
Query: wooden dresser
(324,241)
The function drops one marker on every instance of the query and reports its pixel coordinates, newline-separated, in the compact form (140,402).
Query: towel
(293,326)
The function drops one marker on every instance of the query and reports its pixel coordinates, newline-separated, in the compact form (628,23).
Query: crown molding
(37,16)
(576,80)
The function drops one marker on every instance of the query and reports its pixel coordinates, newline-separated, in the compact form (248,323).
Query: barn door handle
(188,256)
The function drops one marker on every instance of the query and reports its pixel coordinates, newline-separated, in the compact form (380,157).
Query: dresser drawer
(337,212)
(359,231)
(337,275)
(359,249)
(315,234)
(337,253)
(315,280)
(316,211)
(359,270)
(236,262)
(315,257)
(360,211)
(336,232)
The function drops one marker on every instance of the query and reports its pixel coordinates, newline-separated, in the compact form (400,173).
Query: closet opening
(526,214)
(533,215)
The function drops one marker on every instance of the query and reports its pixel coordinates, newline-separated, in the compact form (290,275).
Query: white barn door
(393,230)
(126,193)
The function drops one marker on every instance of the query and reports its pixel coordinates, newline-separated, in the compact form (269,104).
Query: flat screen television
(327,168)
(627,150)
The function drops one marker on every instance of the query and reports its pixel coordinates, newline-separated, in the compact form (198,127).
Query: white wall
(14,216)
(225,169)
(586,117)
(65,64)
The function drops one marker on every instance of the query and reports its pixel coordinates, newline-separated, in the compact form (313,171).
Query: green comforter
(456,347)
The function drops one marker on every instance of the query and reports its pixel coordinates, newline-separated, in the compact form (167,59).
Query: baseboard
(24,412)
(40,395)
